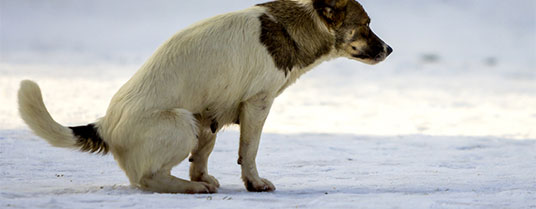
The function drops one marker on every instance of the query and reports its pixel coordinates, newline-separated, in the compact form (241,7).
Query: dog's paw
(258,185)
(202,188)
(208,179)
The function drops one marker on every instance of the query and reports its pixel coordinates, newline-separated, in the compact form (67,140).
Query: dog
(221,71)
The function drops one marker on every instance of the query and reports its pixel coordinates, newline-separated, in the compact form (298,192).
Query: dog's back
(213,64)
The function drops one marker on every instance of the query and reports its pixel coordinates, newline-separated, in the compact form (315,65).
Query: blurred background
(459,67)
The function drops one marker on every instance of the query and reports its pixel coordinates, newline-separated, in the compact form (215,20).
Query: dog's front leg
(253,113)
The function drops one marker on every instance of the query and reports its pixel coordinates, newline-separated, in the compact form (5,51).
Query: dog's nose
(389,50)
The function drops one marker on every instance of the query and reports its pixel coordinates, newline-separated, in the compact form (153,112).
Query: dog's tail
(33,111)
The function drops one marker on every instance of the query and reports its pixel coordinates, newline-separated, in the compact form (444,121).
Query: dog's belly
(219,107)
(215,119)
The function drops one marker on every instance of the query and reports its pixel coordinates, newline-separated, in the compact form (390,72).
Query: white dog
(224,70)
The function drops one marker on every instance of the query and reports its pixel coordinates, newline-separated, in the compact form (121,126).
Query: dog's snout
(389,50)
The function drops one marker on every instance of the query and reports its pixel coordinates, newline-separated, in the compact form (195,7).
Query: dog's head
(354,38)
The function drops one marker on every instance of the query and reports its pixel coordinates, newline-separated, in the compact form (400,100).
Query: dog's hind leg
(167,139)
(164,182)
(199,158)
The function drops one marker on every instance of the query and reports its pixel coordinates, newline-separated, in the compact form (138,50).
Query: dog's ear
(332,12)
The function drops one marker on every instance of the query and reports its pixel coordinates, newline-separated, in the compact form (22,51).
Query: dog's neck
(295,35)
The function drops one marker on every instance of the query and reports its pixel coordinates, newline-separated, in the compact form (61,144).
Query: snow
(310,171)
(448,121)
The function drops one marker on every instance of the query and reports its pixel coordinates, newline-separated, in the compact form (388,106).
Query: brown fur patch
(355,23)
(292,36)
(332,12)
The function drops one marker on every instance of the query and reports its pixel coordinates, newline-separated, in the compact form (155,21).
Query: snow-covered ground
(309,170)
(448,121)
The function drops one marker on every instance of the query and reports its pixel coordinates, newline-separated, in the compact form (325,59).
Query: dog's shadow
(108,189)
(238,190)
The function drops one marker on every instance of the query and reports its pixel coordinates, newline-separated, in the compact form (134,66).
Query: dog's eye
(354,48)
